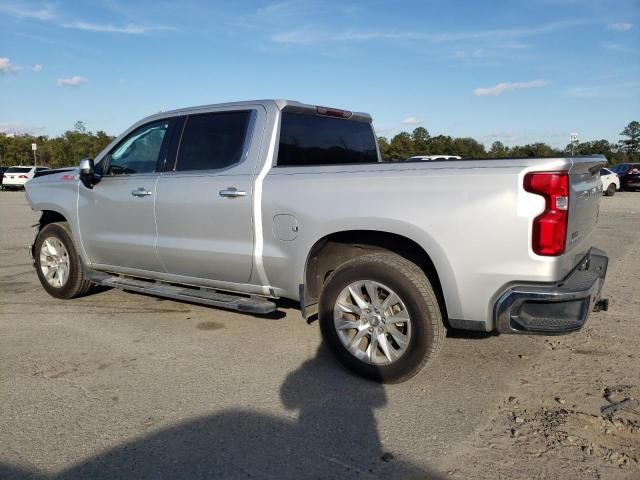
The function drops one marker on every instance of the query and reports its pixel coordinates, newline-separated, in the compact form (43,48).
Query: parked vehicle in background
(2,170)
(16,177)
(235,205)
(422,158)
(629,174)
(610,182)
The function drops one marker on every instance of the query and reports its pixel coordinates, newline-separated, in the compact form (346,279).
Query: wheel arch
(335,248)
(47,217)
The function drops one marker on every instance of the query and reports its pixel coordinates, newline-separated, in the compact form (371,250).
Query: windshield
(19,170)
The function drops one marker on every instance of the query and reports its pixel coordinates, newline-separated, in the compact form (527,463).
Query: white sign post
(34,147)
(573,138)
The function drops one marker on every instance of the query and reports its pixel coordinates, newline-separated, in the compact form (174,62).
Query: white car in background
(610,182)
(424,158)
(15,177)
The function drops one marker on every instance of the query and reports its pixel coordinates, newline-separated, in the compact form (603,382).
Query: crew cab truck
(238,204)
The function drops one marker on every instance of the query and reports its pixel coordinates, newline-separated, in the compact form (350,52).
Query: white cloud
(16,128)
(382,131)
(47,14)
(75,81)
(620,27)
(309,35)
(616,47)
(37,68)
(623,89)
(108,28)
(411,121)
(6,66)
(18,11)
(500,88)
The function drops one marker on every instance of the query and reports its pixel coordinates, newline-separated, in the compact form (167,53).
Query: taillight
(333,112)
(23,176)
(550,227)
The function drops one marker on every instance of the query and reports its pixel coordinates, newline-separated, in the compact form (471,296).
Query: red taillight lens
(23,176)
(550,227)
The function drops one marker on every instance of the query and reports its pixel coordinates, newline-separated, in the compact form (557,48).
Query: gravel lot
(122,385)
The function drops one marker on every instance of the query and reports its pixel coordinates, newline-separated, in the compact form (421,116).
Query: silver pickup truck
(239,204)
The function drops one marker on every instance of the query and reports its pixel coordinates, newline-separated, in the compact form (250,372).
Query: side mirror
(87,175)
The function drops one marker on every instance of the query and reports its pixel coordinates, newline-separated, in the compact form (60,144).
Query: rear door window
(212,141)
(320,140)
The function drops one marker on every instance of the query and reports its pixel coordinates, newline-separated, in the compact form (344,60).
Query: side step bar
(204,296)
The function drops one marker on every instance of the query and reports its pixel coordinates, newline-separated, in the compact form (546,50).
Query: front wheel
(58,264)
(380,316)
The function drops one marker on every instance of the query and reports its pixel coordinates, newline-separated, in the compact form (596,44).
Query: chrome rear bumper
(557,308)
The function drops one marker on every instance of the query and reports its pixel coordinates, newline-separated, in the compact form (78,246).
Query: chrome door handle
(140,192)
(232,192)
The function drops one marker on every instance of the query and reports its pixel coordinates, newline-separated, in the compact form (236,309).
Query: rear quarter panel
(473,218)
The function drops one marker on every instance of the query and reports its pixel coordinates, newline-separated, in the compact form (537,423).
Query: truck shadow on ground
(334,436)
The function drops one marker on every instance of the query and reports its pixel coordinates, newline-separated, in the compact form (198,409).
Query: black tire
(611,190)
(409,282)
(76,285)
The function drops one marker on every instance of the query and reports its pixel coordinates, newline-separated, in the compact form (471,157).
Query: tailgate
(584,200)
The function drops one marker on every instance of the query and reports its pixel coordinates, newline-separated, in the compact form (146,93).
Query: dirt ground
(575,411)
(119,385)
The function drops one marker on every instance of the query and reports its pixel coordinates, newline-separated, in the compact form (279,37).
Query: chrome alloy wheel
(372,322)
(54,262)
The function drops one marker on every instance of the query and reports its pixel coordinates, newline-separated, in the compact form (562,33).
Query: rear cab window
(307,139)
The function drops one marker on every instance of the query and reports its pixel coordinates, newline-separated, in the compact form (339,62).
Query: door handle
(140,192)
(232,192)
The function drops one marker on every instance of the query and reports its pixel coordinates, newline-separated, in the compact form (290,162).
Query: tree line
(67,149)
(420,142)
(56,152)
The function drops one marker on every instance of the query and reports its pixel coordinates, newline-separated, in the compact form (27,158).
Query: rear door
(116,216)
(204,200)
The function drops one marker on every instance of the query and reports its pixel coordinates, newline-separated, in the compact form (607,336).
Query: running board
(204,296)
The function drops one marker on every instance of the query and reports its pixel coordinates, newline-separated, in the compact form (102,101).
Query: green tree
(421,138)
(401,146)
(383,144)
(498,150)
(632,144)
(79,127)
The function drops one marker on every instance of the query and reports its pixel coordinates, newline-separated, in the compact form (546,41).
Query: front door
(116,217)
(203,204)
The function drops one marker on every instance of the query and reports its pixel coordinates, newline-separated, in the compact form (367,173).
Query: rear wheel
(380,316)
(611,190)
(58,264)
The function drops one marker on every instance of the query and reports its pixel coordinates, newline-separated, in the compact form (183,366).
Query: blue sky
(516,71)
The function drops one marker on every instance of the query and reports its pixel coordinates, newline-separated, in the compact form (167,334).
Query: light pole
(34,147)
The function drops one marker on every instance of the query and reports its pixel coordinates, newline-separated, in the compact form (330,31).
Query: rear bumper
(557,308)
(13,182)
